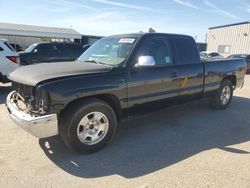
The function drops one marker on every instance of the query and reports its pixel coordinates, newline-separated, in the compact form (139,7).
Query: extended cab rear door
(147,84)
(189,67)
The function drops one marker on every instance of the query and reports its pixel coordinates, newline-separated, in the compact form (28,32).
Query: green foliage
(151,30)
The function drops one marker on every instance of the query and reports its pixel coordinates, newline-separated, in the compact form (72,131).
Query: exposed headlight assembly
(38,104)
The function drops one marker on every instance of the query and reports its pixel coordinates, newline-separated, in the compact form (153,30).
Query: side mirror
(35,51)
(145,61)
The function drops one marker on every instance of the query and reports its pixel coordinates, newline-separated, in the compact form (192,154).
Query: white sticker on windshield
(127,40)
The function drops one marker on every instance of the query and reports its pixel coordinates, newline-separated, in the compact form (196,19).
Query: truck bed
(217,69)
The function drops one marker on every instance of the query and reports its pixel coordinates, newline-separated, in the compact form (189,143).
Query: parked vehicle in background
(210,55)
(51,52)
(244,56)
(86,46)
(84,101)
(17,47)
(9,60)
(89,39)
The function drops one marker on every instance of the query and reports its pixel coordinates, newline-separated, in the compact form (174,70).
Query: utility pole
(206,38)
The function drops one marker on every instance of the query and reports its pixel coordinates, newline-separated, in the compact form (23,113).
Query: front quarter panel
(66,90)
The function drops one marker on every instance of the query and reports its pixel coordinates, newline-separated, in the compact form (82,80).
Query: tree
(151,30)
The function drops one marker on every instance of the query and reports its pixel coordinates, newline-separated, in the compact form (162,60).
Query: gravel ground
(185,146)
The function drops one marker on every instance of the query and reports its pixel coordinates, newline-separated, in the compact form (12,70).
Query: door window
(158,48)
(44,49)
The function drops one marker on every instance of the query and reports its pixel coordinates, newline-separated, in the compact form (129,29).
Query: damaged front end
(28,108)
(30,99)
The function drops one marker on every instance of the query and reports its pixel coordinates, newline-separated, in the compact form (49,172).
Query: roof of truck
(138,35)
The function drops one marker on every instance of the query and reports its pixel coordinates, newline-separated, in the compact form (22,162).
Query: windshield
(111,51)
(30,48)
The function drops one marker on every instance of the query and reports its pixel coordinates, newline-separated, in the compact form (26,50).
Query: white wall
(237,36)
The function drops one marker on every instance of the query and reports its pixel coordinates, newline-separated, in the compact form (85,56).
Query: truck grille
(23,90)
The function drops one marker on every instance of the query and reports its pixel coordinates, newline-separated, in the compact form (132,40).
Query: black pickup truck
(46,52)
(84,101)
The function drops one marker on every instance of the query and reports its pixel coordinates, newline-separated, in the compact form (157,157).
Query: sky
(108,17)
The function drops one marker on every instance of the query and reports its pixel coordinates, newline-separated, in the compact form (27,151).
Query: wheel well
(232,78)
(112,100)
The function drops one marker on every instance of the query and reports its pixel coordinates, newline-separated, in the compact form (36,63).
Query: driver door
(157,82)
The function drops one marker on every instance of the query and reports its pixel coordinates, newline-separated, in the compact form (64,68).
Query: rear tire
(223,97)
(87,126)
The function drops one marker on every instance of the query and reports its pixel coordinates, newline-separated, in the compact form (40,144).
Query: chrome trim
(38,126)
(225,95)
(145,61)
(92,128)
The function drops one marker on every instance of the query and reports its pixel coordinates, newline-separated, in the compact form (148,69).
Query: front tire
(87,126)
(223,97)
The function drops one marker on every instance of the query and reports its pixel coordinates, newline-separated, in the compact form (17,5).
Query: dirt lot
(184,146)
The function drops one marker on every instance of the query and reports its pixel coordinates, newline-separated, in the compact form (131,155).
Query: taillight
(14,59)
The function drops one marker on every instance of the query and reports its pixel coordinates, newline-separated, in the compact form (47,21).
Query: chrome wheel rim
(92,128)
(225,95)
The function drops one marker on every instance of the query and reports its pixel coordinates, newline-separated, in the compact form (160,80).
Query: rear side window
(9,46)
(187,50)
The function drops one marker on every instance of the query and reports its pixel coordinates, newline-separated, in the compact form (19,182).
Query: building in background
(25,35)
(230,39)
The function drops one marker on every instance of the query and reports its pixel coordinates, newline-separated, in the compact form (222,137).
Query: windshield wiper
(96,62)
(91,61)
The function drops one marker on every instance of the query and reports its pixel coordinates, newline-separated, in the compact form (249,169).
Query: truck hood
(33,74)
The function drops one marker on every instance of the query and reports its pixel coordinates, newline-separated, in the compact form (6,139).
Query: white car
(9,60)
(210,55)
